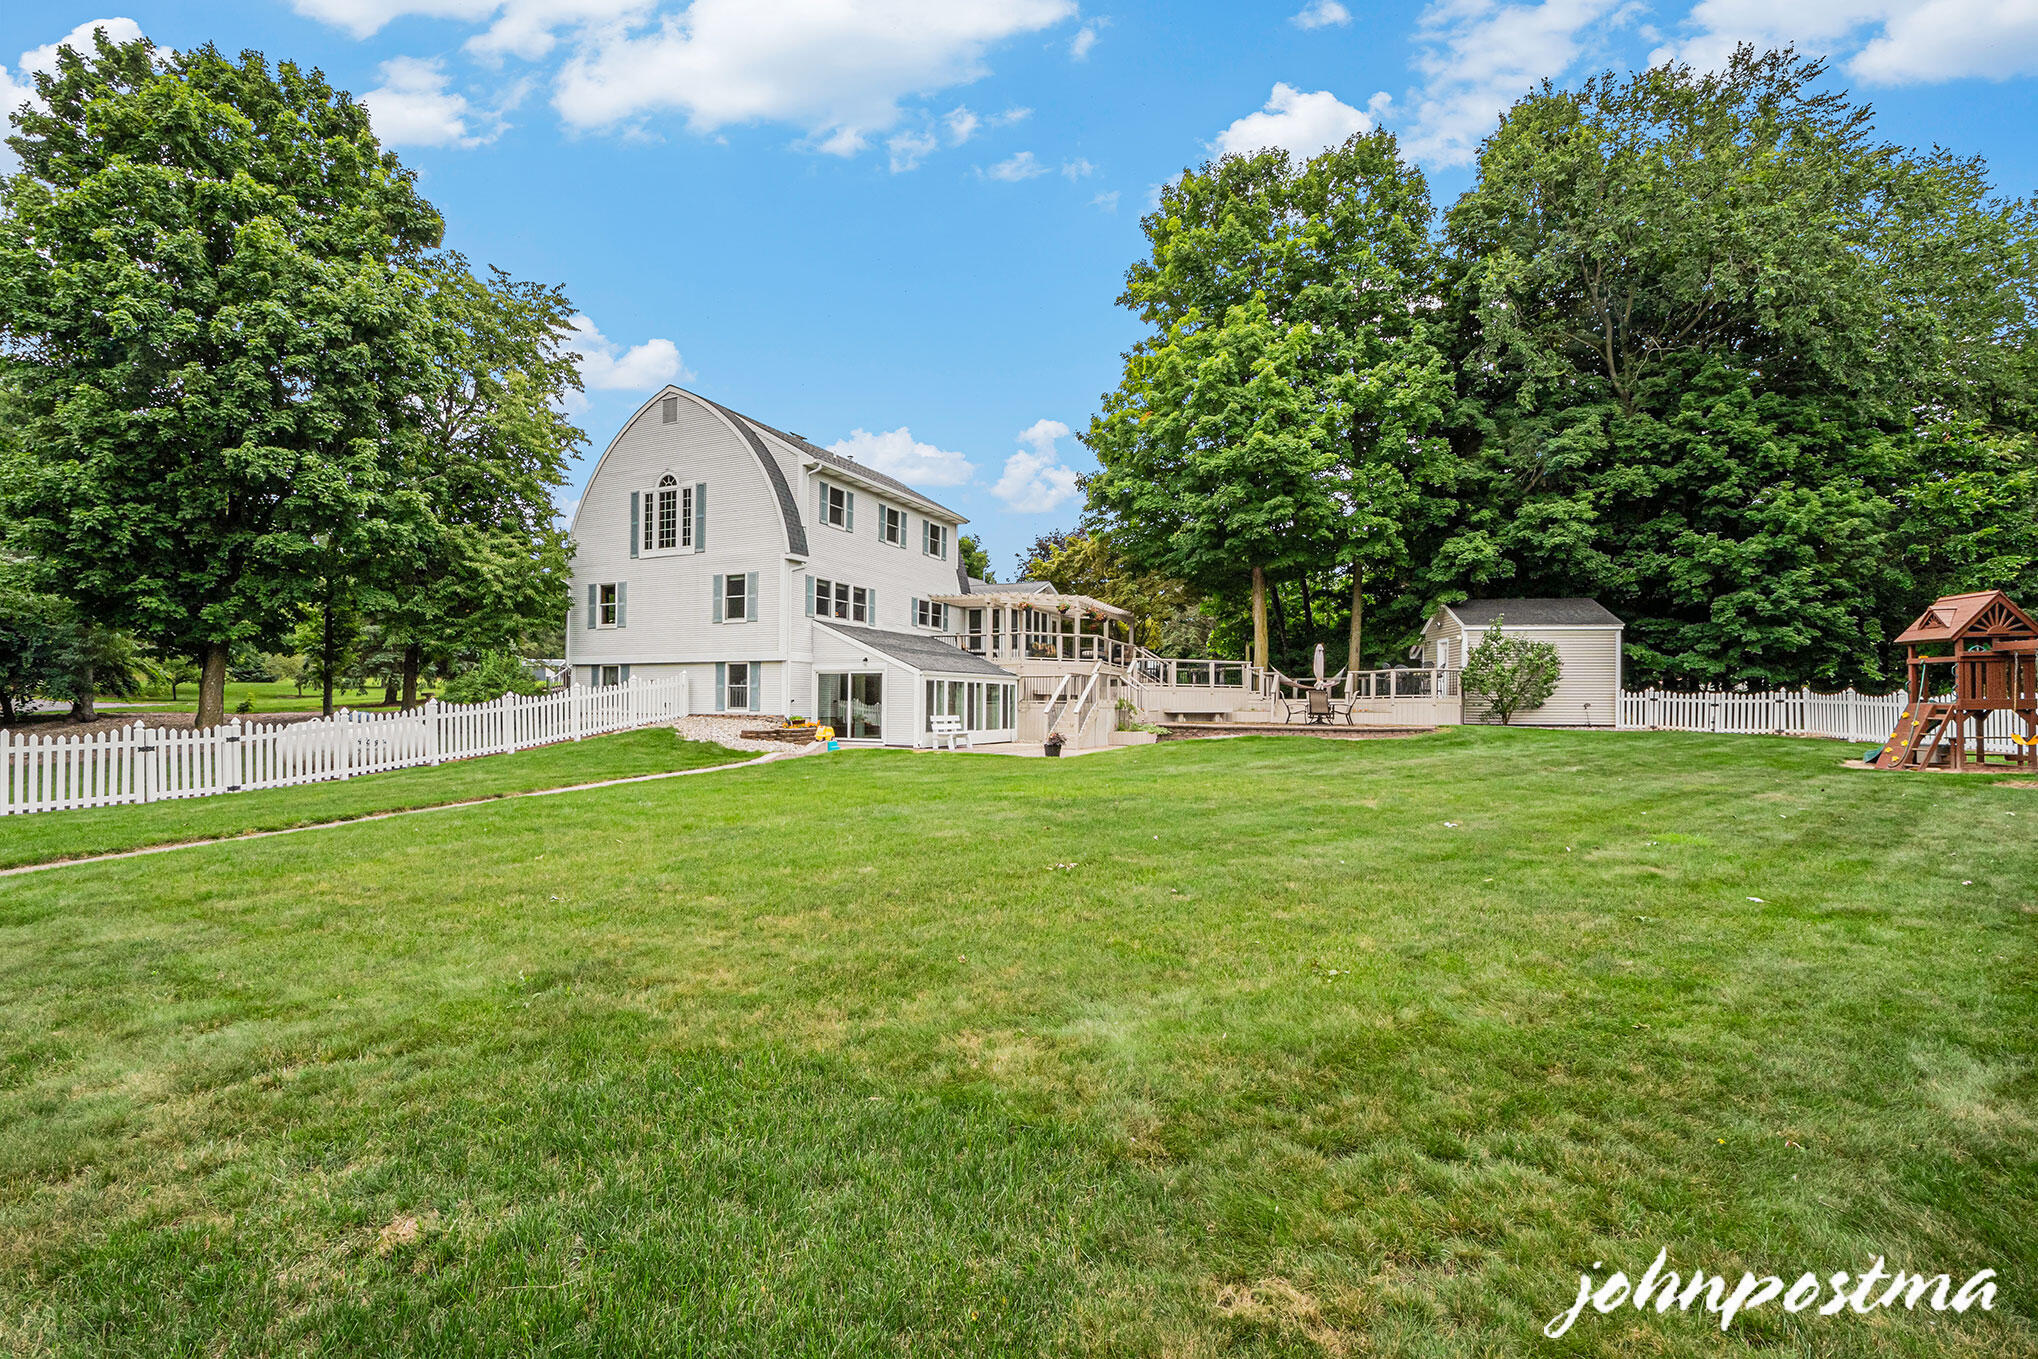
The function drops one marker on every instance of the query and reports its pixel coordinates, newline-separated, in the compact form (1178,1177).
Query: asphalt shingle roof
(1535,613)
(920,651)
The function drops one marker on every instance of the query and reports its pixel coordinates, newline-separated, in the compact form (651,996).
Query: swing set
(1982,650)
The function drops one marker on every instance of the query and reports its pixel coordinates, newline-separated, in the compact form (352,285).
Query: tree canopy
(1699,345)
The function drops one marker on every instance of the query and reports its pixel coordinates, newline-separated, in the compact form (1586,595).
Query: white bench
(949,729)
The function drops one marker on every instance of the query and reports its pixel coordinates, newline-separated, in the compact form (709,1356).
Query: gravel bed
(728,731)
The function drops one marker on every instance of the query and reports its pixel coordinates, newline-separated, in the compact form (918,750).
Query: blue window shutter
(870,608)
(750,597)
(593,606)
(721,686)
(810,596)
(756,688)
(700,516)
(633,523)
(924,527)
(622,600)
(717,588)
(623,673)
(820,501)
(849,511)
(913,613)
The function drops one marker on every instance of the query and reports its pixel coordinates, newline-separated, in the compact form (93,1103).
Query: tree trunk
(81,702)
(6,707)
(412,655)
(1260,617)
(1277,616)
(325,658)
(212,686)
(1354,654)
(1308,613)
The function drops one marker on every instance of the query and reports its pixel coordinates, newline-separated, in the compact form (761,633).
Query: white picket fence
(149,764)
(1845,716)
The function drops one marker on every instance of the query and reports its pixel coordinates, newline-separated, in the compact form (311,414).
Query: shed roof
(921,652)
(1984,613)
(1535,613)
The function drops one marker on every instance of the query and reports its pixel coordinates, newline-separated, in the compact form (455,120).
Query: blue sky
(899,227)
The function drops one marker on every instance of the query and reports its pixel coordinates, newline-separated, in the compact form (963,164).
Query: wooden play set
(1983,652)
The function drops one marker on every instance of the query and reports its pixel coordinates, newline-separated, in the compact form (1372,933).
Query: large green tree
(202,282)
(1275,421)
(482,562)
(1738,368)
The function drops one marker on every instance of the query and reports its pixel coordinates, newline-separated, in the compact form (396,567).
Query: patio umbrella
(1316,663)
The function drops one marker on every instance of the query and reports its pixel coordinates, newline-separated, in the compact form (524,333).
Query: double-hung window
(891,526)
(929,613)
(837,506)
(934,539)
(840,599)
(737,689)
(608,606)
(735,597)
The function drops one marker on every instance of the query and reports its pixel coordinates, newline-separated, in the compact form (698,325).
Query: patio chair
(1319,705)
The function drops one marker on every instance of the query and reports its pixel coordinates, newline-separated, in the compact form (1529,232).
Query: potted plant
(1055,741)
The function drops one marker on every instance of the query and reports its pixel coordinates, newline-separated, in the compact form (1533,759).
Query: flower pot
(1054,752)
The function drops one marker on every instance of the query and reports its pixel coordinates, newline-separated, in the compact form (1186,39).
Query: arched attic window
(668,516)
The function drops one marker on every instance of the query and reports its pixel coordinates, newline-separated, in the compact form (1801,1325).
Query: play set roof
(1985,614)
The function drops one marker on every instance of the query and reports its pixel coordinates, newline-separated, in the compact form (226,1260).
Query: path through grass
(1259,1046)
(44,836)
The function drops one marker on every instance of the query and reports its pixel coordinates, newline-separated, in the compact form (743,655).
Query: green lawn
(45,836)
(1258,1046)
(269,696)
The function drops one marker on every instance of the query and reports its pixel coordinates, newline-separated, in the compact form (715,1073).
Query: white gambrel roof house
(777,576)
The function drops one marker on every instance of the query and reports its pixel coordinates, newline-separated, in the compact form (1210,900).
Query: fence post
(431,715)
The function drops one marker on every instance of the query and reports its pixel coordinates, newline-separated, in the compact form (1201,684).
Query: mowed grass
(45,836)
(1259,1046)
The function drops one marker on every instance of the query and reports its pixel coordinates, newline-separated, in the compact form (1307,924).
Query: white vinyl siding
(1588,691)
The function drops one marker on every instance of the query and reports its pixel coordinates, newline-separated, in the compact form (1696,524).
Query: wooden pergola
(1040,625)
(1984,649)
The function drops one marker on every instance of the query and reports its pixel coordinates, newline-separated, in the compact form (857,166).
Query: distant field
(1257,1046)
(270,696)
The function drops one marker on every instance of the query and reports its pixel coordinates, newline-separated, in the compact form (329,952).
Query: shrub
(496,674)
(1510,674)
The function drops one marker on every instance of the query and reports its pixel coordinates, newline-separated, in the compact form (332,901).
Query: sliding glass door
(853,704)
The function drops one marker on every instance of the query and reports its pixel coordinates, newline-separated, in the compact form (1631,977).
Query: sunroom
(876,687)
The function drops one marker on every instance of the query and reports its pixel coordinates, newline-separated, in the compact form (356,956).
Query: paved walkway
(385,816)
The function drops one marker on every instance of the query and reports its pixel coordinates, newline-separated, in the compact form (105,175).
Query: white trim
(823,470)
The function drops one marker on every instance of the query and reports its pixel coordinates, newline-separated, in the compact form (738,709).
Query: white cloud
(1479,56)
(1035,480)
(835,69)
(1107,200)
(17,89)
(1086,38)
(1298,123)
(413,107)
(897,453)
(908,149)
(1078,168)
(650,364)
(961,125)
(1322,14)
(1012,169)
(1890,42)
